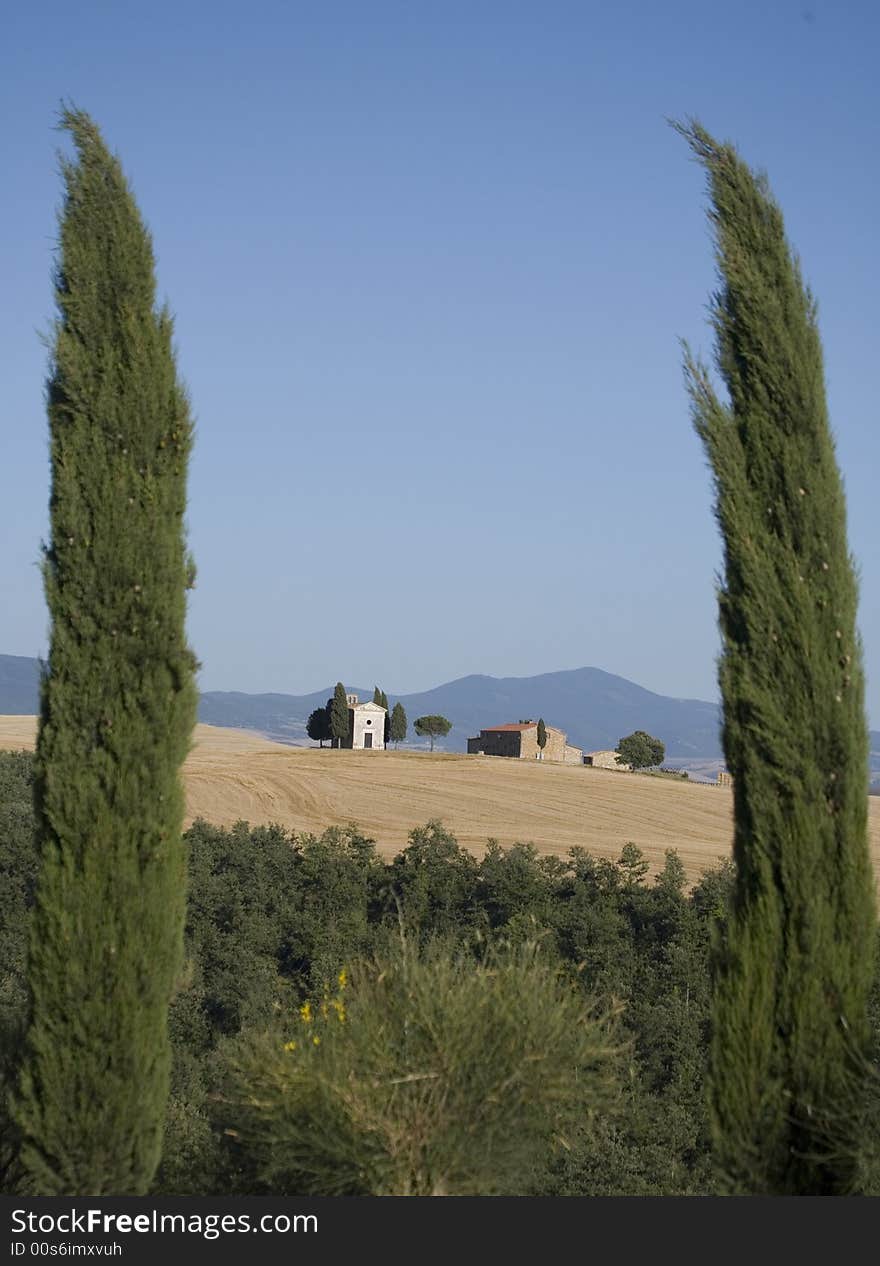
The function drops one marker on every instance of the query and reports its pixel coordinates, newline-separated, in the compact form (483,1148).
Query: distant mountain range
(595,709)
(19,686)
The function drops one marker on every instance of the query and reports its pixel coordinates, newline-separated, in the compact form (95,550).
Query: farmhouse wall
(521,743)
(555,747)
(497,742)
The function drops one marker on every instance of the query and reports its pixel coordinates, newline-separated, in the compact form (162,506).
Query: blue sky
(430,264)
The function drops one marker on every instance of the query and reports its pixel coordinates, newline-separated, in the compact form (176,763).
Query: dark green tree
(318,725)
(117,708)
(640,750)
(380,697)
(339,715)
(397,728)
(383,699)
(18,875)
(431,727)
(788,1064)
(542,736)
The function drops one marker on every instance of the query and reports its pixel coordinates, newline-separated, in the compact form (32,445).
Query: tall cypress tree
(788,1063)
(339,715)
(397,727)
(118,704)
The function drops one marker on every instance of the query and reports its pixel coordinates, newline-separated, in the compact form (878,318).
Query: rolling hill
(231,775)
(595,709)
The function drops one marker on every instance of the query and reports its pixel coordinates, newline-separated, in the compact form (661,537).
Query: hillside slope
(231,775)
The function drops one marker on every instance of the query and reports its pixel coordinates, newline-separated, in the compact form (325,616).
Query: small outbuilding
(605,760)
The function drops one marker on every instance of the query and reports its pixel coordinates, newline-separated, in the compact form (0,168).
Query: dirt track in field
(235,774)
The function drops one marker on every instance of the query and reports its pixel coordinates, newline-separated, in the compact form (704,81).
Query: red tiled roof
(493,729)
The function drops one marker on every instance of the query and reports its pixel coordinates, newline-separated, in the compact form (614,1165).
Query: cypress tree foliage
(397,727)
(788,1064)
(339,715)
(542,735)
(383,700)
(118,704)
(377,695)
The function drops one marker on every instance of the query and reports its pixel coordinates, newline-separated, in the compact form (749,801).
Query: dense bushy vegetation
(424,1073)
(18,877)
(274,918)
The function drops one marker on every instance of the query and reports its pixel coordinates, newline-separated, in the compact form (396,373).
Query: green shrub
(426,1073)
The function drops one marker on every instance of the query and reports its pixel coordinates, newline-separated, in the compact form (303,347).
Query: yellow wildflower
(305,1012)
(290,1046)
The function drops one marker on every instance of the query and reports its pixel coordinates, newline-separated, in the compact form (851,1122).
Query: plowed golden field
(233,774)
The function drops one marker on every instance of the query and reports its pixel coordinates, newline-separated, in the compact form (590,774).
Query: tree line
(90,1059)
(595,974)
(274,919)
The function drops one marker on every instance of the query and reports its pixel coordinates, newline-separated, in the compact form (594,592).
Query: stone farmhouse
(605,760)
(366,725)
(520,742)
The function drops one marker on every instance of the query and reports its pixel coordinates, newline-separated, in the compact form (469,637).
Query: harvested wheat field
(234,774)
